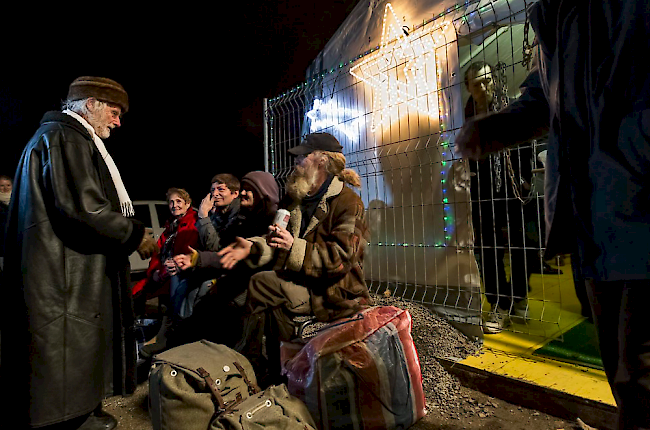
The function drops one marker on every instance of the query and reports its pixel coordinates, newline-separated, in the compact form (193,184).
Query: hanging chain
(527,57)
(496,161)
(502,103)
(527,49)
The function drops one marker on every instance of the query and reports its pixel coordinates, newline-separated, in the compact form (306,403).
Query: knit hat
(266,186)
(103,89)
(317,142)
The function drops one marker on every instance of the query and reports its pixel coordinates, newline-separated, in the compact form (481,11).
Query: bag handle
(213,388)
(252,388)
(357,317)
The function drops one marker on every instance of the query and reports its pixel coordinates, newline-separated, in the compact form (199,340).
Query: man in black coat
(591,93)
(496,211)
(68,338)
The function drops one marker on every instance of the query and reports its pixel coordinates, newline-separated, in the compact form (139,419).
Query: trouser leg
(271,304)
(497,289)
(490,253)
(518,274)
(619,310)
(178,289)
(580,286)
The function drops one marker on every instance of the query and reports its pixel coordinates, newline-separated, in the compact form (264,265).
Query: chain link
(500,69)
(503,102)
(527,49)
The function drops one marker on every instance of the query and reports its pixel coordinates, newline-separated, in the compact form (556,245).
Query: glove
(148,246)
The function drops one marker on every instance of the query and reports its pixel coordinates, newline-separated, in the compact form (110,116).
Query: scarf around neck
(5,198)
(125,201)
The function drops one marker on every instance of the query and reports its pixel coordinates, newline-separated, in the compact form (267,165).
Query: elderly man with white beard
(68,338)
(318,258)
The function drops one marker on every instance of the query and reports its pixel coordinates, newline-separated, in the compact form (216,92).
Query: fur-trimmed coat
(328,258)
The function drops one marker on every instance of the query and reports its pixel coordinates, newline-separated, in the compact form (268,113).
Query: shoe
(159,342)
(99,421)
(548,270)
(496,321)
(520,311)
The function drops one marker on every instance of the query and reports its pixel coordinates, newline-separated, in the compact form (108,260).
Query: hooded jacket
(255,222)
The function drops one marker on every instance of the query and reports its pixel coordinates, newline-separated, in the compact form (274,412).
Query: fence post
(265,106)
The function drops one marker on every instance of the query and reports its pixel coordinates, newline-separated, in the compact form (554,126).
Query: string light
(403,71)
(329,114)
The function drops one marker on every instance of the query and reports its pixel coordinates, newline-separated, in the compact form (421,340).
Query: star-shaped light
(326,114)
(403,71)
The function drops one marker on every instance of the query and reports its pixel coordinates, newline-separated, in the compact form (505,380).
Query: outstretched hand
(235,252)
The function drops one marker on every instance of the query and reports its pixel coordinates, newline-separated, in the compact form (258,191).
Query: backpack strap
(252,388)
(213,388)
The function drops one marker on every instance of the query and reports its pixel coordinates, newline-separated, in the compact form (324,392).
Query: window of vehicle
(143,215)
(163,214)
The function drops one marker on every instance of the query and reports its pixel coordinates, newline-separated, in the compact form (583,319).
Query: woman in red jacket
(163,274)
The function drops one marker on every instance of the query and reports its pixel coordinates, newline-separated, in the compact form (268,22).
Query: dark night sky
(195,79)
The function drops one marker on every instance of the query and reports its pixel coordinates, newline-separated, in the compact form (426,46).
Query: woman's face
(248,196)
(177,206)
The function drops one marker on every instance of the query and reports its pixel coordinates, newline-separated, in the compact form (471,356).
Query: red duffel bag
(361,372)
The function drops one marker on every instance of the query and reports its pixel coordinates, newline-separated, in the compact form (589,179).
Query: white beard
(99,123)
(300,182)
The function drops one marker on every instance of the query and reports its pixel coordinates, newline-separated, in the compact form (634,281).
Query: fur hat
(103,89)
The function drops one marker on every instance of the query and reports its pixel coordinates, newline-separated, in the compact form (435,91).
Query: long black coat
(67,320)
(592,94)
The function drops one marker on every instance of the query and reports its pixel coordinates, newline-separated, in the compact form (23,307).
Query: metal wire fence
(463,237)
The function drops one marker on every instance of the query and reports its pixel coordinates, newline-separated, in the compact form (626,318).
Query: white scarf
(5,198)
(125,201)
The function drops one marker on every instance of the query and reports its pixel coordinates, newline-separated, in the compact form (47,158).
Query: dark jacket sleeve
(78,208)
(524,119)
(209,259)
(208,235)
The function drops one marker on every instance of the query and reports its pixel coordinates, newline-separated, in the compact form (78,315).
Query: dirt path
(476,411)
(450,405)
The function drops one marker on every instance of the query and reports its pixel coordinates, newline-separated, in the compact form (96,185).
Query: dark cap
(103,89)
(317,142)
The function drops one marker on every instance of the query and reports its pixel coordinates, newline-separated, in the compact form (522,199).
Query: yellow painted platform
(553,310)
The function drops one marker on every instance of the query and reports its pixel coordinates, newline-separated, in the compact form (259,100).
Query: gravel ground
(450,406)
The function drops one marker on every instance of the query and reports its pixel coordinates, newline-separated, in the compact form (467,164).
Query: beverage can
(282,218)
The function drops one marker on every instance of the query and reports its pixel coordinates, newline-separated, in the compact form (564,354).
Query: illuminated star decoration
(328,114)
(403,71)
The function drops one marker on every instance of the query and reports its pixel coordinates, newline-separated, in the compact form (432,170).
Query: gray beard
(300,182)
